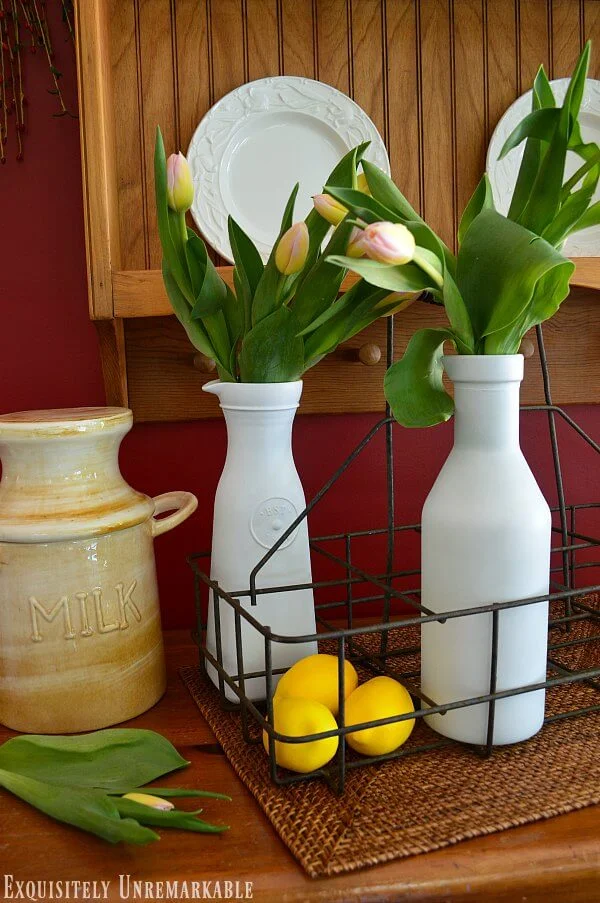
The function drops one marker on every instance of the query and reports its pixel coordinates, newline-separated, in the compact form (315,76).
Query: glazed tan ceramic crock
(80,635)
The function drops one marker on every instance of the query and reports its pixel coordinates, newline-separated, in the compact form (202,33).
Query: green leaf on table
(248,268)
(267,294)
(83,807)
(499,266)
(180,792)
(162,818)
(272,352)
(413,386)
(116,760)
(481,199)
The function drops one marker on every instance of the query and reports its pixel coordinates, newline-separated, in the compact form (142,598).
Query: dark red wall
(49,358)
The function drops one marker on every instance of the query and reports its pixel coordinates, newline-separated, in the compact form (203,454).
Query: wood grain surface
(553,861)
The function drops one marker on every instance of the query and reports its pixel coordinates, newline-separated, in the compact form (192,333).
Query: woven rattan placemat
(430,800)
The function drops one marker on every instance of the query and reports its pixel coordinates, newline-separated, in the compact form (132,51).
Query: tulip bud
(362,183)
(330,209)
(144,799)
(355,246)
(388,243)
(292,249)
(180,188)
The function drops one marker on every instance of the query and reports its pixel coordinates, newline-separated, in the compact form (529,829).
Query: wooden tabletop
(555,861)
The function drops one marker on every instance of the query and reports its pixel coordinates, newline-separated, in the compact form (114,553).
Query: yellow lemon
(299,718)
(381,697)
(316,677)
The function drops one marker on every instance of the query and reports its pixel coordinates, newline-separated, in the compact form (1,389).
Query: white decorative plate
(253,146)
(503,173)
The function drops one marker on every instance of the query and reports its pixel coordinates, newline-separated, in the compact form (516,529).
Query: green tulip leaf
(481,199)
(540,124)
(248,268)
(384,190)
(499,266)
(180,793)
(571,211)
(362,206)
(268,295)
(83,807)
(208,287)
(272,352)
(590,218)
(353,312)
(405,278)
(543,90)
(166,818)
(319,288)
(117,759)
(414,387)
(194,328)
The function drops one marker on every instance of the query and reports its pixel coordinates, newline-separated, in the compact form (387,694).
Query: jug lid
(61,478)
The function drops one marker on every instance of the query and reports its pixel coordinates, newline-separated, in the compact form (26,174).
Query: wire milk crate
(388,642)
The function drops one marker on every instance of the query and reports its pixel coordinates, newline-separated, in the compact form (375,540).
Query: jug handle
(181,503)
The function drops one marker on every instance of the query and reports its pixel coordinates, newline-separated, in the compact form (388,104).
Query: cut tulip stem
(429,269)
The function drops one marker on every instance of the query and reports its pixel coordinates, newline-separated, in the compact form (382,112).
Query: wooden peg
(203,363)
(369,354)
(527,348)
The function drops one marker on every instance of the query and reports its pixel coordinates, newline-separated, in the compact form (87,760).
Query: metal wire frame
(383,589)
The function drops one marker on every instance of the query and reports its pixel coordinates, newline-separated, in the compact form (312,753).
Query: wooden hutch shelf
(434,75)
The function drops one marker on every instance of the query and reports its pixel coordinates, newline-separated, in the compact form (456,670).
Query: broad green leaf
(458,316)
(571,212)
(528,170)
(353,312)
(384,190)
(233,312)
(406,278)
(545,196)
(550,291)
(320,287)
(499,266)
(83,807)
(117,759)
(210,291)
(413,386)
(194,328)
(218,333)
(481,199)
(161,818)
(174,260)
(543,90)
(540,124)
(272,352)
(249,268)
(590,218)
(267,296)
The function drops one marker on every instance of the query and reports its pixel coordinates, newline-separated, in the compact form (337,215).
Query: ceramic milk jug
(259,495)
(485,538)
(80,635)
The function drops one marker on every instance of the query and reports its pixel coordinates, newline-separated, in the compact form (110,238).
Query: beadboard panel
(434,75)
